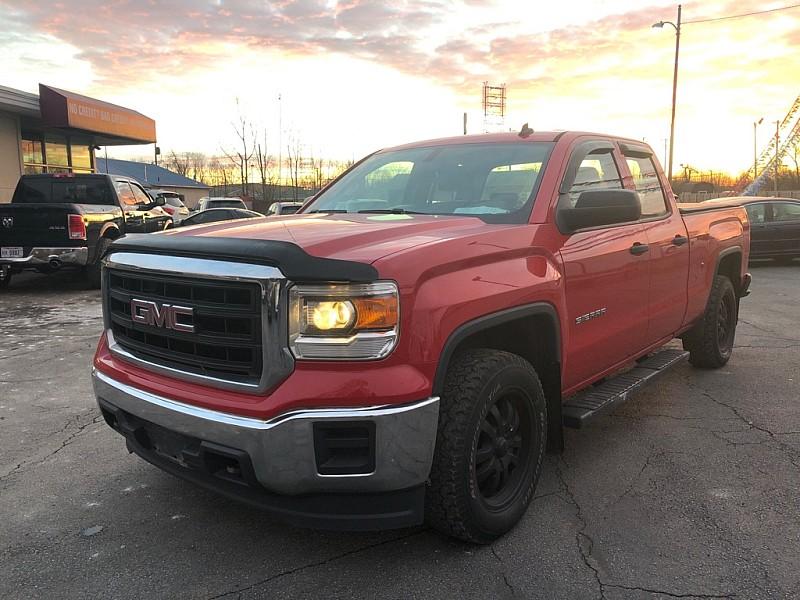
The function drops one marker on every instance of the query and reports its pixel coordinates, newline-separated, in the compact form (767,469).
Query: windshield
(496,182)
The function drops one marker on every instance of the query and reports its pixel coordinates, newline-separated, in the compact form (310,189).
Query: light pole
(755,148)
(777,143)
(677,27)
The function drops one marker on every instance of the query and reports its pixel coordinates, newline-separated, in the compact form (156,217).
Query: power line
(750,14)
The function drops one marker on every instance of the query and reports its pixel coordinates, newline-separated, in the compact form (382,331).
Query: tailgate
(35,225)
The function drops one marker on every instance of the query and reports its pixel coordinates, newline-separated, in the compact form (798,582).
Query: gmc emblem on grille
(8,222)
(147,312)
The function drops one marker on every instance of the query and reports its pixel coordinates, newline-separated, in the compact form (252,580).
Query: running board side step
(578,410)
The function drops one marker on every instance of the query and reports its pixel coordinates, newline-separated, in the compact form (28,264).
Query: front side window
(495,182)
(596,172)
(786,211)
(645,179)
(140,195)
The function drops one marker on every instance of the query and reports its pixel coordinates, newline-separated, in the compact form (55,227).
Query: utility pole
(465,123)
(777,143)
(280,144)
(755,148)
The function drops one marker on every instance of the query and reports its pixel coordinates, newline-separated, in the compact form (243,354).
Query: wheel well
(731,267)
(111,233)
(536,339)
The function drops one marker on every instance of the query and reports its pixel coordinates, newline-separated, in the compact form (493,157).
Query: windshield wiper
(392,211)
(329,210)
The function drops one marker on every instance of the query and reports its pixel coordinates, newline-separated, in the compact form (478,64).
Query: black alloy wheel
(506,436)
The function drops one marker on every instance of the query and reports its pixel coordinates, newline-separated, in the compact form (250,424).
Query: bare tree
(245,149)
(176,163)
(263,163)
(295,158)
(197,166)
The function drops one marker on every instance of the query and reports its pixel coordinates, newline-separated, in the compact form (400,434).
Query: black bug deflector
(294,262)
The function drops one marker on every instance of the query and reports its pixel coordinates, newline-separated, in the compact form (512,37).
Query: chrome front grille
(226,342)
(230,334)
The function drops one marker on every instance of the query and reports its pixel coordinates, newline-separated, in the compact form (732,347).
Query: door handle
(679,240)
(639,248)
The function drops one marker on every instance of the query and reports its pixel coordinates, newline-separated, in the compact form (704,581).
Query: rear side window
(756,212)
(785,211)
(69,190)
(125,194)
(226,203)
(173,201)
(596,172)
(645,178)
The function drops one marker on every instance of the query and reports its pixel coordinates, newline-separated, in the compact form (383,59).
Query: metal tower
(494,107)
(788,137)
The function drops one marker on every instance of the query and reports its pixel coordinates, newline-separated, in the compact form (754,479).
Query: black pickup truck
(68,220)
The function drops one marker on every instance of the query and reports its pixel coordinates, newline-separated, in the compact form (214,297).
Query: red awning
(60,108)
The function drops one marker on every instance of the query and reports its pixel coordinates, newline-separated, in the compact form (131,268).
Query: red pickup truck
(409,345)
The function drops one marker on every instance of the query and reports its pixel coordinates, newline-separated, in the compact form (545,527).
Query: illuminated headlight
(345,322)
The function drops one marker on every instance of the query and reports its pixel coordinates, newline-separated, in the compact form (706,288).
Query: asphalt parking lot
(689,490)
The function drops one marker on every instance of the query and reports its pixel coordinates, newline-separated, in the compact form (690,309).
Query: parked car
(218,214)
(220,202)
(173,204)
(774,224)
(69,220)
(284,208)
(412,351)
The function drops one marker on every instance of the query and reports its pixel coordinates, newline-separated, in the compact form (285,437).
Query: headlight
(340,321)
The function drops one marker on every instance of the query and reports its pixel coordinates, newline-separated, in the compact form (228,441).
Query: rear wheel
(710,342)
(5,277)
(94,270)
(490,445)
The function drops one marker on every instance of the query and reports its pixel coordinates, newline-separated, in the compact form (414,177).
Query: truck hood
(356,237)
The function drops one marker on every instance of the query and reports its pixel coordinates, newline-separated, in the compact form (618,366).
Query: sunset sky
(356,75)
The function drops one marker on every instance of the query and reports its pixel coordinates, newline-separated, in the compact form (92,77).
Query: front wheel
(710,342)
(490,445)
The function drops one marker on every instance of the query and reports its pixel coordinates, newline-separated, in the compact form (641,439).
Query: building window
(55,154)
(81,158)
(56,150)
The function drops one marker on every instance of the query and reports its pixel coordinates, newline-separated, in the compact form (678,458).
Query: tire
(710,342)
(94,270)
(486,390)
(5,279)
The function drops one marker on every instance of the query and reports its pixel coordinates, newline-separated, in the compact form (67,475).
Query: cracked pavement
(689,490)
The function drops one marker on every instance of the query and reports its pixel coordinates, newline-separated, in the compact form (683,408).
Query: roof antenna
(525,131)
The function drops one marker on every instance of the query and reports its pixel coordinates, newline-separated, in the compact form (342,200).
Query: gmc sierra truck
(69,220)
(409,345)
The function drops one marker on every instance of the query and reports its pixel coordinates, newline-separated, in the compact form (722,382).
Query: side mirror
(595,208)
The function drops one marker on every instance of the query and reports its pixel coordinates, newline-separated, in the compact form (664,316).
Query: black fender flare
(488,322)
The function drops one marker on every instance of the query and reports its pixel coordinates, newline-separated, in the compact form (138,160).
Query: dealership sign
(65,109)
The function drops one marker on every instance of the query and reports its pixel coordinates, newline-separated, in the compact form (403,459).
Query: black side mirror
(595,208)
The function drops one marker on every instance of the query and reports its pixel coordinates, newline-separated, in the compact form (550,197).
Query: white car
(221,202)
(284,208)
(173,205)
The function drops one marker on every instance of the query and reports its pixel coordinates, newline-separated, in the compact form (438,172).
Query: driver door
(606,275)
(132,212)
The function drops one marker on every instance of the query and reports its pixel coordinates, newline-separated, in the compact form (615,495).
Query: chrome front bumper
(281,449)
(43,256)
